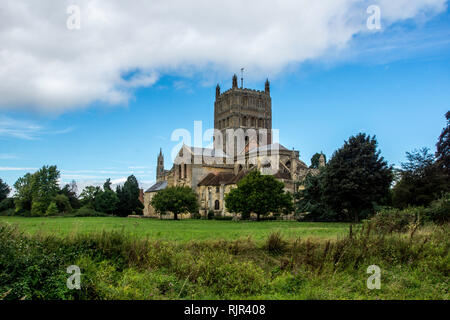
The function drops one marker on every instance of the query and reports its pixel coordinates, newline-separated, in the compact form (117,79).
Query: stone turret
(294,157)
(160,167)
(267,87)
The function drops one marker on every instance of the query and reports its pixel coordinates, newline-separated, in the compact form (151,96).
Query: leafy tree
(70,191)
(24,193)
(4,190)
(356,178)
(107,185)
(35,191)
(421,180)
(38,208)
(176,200)
(443,147)
(315,160)
(234,202)
(88,196)
(310,200)
(129,202)
(45,185)
(106,201)
(62,203)
(261,194)
(52,209)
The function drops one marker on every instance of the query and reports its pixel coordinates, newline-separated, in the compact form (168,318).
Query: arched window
(217,205)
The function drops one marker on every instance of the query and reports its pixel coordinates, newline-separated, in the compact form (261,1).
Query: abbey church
(243,141)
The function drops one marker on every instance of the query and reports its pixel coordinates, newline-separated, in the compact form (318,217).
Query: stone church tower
(241,108)
(212,178)
(160,167)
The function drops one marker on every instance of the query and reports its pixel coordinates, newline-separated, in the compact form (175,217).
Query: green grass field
(182,230)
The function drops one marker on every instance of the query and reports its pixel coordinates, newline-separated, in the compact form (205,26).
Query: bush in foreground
(394,220)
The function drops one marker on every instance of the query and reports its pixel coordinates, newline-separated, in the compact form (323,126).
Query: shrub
(62,203)
(217,217)
(196,215)
(8,212)
(210,215)
(88,212)
(439,210)
(22,213)
(30,267)
(271,218)
(390,220)
(6,204)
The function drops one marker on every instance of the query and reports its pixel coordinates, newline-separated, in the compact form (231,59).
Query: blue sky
(394,84)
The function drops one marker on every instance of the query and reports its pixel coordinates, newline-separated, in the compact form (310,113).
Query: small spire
(217,91)
(267,89)
(235,81)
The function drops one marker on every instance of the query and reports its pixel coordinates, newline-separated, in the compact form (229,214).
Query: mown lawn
(182,230)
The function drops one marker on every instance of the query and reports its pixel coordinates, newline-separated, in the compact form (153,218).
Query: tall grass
(117,266)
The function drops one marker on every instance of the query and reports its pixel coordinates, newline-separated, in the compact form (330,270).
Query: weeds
(275,244)
(118,266)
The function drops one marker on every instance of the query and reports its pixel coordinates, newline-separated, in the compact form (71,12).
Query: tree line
(357,180)
(39,194)
(355,183)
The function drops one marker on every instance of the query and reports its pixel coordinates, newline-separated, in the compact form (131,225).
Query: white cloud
(16,169)
(124,45)
(19,129)
(25,129)
(8,156)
